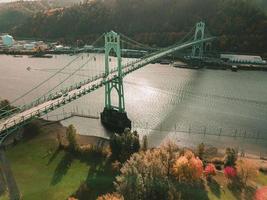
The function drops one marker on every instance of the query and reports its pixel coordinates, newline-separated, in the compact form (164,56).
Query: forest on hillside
(241,24)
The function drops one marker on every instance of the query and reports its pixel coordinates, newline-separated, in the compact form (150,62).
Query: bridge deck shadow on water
(247,142)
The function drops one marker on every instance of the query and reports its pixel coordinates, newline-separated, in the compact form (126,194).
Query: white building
(7,40)
(29,46)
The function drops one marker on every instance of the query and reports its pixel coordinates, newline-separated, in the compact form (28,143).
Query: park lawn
(4,197)
(43,174)
(218,189)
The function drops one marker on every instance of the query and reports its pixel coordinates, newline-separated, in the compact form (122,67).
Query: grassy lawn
(218,189)
(44,173)
(262,179)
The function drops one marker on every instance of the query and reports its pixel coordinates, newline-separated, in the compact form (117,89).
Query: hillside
(155,22)
(16,13)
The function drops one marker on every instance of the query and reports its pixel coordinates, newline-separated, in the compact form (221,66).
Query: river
(190,106)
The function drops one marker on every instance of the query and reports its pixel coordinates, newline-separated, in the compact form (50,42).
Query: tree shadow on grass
(53,157)
(99,179)
(196,191)
(240,191)
(214,187)
(62,168)
(2,184)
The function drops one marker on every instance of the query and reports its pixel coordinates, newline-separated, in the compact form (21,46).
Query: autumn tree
(145,175)
(246,170)
(188,168)
(124,145)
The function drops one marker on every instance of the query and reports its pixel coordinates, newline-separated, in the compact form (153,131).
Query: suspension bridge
(113,117)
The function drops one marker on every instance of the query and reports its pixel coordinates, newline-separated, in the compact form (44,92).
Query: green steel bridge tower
(114,117)
(198,49)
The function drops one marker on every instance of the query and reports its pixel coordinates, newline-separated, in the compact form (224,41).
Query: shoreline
(52,128)
(183,65)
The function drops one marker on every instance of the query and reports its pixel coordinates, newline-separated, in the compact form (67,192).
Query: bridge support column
(197,51)
(114,117)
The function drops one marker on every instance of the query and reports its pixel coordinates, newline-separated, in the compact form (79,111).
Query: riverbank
(220,66)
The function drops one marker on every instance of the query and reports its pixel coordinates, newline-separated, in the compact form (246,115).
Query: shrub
(230,172)
(217,161)
(246,169)
(188,168)
(93,150)
(5,106)
(210,170)
(218,167)
(211,151)
(230,157)
(263,170)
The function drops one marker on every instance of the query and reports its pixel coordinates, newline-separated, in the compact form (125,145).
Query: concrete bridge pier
(115,121)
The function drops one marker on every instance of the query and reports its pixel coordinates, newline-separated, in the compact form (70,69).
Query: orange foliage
(114,196)
(261,194)
(188,168)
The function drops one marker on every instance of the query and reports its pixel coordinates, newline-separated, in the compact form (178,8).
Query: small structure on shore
(243,59)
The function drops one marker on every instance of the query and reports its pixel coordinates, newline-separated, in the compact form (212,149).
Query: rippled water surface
(162,101)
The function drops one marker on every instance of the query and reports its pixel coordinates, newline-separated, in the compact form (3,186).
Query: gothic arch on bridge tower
(112,45)
(198,49)
(197,52)
(208,47)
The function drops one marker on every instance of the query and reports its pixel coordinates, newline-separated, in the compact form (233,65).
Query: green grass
(40,177)
(4,197)
(262,179)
